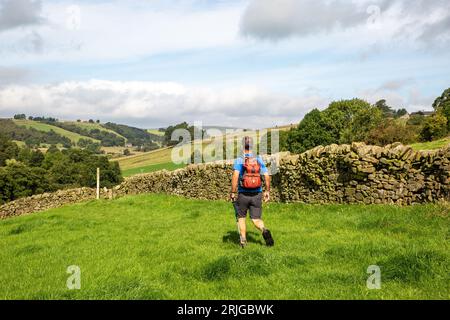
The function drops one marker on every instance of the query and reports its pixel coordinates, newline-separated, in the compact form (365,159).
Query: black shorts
(249,202)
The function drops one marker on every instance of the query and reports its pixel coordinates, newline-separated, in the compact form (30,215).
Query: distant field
(74,137)
(145,159)
(156,132)
(92,126)
(166,247)
(286,127)
(19,143)
(431,145)
(155,167)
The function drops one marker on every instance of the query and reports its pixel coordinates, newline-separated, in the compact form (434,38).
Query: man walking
(246,191)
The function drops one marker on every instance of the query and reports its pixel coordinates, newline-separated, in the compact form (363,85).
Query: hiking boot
(268,237)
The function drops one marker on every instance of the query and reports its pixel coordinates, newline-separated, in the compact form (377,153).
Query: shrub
(442,105)
(435,127)
(392,131)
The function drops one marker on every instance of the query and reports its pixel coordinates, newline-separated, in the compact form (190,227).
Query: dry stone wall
(354,173)
(46,201)
(357,173)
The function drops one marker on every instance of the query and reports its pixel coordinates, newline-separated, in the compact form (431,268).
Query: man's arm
(267,193)
(266,175)
(234,185)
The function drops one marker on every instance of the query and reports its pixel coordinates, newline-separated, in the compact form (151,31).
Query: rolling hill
(44,127)
(93,126)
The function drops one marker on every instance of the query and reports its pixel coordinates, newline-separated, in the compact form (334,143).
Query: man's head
(247,143)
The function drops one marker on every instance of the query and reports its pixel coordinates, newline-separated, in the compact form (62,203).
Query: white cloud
(425,21)
(95,31)
(153,104)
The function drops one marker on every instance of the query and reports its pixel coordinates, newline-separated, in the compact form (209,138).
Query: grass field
(431,145)
(166,247)
(74,137)
(20,143)
(143,160)
(92,126)
(156,132)
(155,167)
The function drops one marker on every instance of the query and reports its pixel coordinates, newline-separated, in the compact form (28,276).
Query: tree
(416,120)
(401,112)
(435,127)
(20,116)
(8,149)
(364,120)
(126,152)
(36,159)
(442,105)
(340,114)
(193,131)
(384,108)
(18,180)
(312,131)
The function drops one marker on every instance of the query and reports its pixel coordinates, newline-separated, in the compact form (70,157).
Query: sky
(240,63)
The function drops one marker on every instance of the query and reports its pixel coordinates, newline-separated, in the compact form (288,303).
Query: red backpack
(252,174)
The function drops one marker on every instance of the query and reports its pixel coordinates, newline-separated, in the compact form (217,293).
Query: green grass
(431,145)
(20,143)
(151,168)
(91,126)
(166,247)
(163,155)
(156,132)
(74,137)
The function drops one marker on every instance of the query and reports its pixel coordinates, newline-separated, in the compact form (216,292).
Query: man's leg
(256,215)
(242,205)
(259,224)
(243,229)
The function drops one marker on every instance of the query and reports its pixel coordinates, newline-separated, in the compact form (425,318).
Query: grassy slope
(92,126)
(159,156)
(158,247)
(431,145)
(148,162)
(74,137)
(20,143)
(134,164)
(151,168)
(156,132)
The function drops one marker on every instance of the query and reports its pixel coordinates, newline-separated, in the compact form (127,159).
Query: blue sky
(235,63)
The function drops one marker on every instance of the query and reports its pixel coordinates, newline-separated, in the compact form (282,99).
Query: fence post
(98,183)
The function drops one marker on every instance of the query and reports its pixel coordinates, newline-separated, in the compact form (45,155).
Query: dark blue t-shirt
(239,166)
